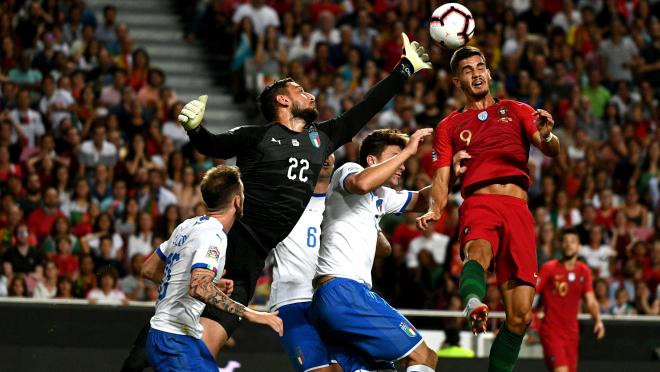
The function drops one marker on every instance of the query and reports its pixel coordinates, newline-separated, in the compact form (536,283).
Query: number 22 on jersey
(293,173)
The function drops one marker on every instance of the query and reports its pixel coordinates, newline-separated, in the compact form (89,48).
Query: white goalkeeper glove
(415,54)
(193,112)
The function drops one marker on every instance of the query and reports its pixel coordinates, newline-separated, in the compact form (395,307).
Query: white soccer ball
(452,25)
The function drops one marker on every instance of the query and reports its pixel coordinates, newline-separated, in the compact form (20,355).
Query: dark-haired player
(561,285)
(280,163)
(496,227)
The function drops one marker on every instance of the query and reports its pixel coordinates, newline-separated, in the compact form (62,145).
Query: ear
(371,160)
(456,81)
(283,100)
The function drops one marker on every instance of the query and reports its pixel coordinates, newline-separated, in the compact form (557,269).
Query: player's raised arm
(224,145)
(538,125)
(203,289)
(376,175)
(342,129)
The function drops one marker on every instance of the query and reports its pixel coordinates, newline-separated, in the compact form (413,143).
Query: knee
(519,321)
(479,250)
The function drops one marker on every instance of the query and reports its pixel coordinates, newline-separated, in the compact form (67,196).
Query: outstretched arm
(439,196)
(342,129)
(203,289)
(594,310)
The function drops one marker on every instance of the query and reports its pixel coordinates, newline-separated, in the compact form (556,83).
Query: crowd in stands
(95,172)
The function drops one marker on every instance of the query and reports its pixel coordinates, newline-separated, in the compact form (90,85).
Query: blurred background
(95,172)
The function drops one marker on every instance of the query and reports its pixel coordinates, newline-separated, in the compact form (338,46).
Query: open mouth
(477,83)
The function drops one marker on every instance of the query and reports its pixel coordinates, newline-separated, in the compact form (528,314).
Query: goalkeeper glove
(193,112)
(415,54)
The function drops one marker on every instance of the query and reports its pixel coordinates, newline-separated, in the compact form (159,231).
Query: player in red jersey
(561,285)
(496,227)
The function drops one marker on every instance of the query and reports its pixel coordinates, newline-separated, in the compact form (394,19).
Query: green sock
(504,352)
(473,281)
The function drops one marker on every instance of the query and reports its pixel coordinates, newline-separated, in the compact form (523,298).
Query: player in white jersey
(344,309)
(193,260)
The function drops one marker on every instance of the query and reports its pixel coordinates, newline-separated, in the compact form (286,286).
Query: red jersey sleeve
(544,276)
(587,286)
(525,114)
(442,150)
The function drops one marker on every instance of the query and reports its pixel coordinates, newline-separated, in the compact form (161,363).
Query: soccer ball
(452,25)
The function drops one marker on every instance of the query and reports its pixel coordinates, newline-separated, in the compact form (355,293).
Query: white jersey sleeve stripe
(202,265)
(405,205)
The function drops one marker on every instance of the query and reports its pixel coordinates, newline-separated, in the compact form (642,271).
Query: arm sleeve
(342,128)
(210,253)
(224,145)
(542,281)
(396,201)
(346,170)
(442,149)
(161,251)
(525,114)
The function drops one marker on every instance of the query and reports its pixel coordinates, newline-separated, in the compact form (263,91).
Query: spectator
(598,255)
(451,347)
(133,285)
(430,240)
(103,228)
(28,120)
(155,197)
(127,224)
(139,70)
(47,288)
(67,263)
(18,286)
(86,281)
(187,193)
(41,220)
(105,32)
(81,199)
(261,14)
(26,77)
(583,229)
(111,94)
(547,247)
(172,129)
(622,305)
(64,288)
(98,150)
(148,95)
(107,293)
(644,304)
(105,258)
(140,242)
(56,104)
(23,256)
(601,291)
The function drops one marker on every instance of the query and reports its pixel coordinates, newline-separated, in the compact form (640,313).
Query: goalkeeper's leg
(137,361)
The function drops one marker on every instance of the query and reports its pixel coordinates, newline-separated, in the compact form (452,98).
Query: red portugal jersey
(561,290)
(497,138)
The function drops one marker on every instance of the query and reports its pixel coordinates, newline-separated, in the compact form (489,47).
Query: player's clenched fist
(193,112)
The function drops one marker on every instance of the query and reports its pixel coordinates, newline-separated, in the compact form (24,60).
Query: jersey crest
(315,138)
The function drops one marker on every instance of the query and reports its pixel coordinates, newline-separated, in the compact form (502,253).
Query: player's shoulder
(205,224)
(448,121)
(583,267)
(350,167)
(551,265)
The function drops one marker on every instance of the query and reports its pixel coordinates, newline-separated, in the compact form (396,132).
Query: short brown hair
(267,98)
(219,186)
(461,54)
(376,142)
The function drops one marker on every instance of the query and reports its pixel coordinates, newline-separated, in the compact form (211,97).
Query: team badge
(504,117)
(408,329)
(571,277)
(483,116)
(295,142)
(213,252)
(300,356)
(379,205)
(315,138)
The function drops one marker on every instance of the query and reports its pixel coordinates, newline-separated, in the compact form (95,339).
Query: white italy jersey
(295,257)
(198,242)
(350,226)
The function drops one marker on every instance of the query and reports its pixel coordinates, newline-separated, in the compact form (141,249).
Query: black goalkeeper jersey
(279,167)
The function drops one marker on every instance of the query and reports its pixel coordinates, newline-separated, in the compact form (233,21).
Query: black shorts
(246,255)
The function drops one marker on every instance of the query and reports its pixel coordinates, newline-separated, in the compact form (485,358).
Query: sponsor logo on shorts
(300,356)
(434,155)
(466,230)
(213,252)
(408,329)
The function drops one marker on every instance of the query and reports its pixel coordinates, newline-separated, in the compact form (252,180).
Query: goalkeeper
(279,163)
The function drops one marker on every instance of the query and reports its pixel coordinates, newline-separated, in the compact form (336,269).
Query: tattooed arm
(203,289)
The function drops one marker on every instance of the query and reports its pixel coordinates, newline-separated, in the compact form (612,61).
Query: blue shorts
(301,341)
(308,351)
(348,313)
(171,352)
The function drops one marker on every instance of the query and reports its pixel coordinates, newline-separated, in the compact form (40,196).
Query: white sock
(420,368)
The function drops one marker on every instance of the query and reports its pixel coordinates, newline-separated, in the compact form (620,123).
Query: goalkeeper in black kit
(279,164)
